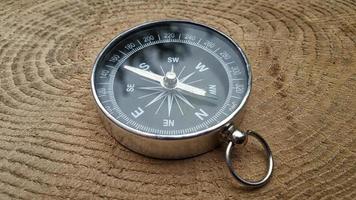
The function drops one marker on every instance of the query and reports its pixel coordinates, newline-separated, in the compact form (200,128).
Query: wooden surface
(52,142)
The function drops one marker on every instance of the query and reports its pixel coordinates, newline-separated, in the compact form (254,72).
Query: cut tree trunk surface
(53,144)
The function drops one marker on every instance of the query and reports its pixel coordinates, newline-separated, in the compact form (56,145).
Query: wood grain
(53,145)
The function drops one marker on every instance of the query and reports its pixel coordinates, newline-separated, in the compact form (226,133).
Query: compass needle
(144,73)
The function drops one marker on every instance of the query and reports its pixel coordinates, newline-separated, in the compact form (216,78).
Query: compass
(172,89)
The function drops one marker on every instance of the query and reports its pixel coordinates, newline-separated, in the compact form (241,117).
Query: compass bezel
(125,127)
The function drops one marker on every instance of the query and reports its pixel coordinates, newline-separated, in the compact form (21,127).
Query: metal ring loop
(268,175)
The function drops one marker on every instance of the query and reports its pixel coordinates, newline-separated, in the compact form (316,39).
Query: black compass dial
(171,78)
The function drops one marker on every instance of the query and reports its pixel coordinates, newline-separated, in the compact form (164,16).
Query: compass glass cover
(170,78)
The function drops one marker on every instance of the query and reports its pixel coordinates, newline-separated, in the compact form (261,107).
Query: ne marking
(232,62)
(217,50)
(159,37)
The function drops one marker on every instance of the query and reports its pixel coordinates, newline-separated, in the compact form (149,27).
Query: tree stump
(53,144)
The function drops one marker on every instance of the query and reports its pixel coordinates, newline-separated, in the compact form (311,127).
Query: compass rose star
(172,97)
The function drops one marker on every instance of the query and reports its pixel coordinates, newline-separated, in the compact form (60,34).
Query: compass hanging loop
(237,137)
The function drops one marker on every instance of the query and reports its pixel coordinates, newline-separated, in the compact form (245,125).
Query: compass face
(171,78)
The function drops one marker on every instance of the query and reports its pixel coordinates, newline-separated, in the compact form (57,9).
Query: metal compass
(172,89)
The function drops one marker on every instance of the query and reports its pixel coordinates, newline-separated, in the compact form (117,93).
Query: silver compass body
(167,89)
(173,89)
